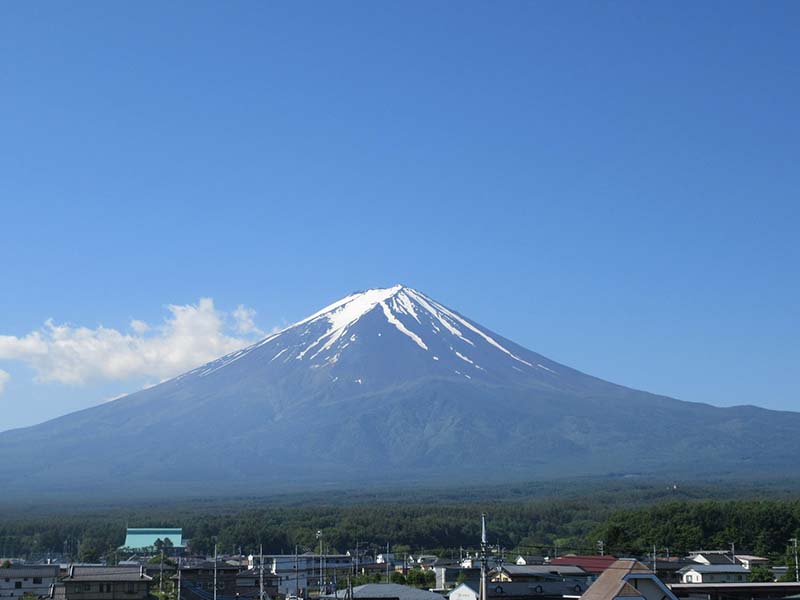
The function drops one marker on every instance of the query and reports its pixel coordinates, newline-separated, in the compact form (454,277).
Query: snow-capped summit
(384,385)
(416,331)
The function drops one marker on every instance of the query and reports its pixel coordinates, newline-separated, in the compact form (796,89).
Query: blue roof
(142,538)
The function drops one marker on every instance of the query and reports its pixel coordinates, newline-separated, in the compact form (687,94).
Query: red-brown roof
(592,564)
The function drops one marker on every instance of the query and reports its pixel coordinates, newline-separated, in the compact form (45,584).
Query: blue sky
(612,184)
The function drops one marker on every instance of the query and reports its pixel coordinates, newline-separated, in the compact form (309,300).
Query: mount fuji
(384,386)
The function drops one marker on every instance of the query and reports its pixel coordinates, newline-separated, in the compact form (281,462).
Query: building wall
(14,587)
(107,590)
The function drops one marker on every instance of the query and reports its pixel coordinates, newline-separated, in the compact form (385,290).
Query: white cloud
(140,327)
(4,377)
(245,320)
(191,335)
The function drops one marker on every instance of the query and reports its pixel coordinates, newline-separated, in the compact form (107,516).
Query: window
(130,588)
(17,585)
(37,580)
(87,587)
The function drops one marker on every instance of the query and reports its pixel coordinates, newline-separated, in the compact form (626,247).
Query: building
(449,577)
(296,573)
(736,591)
(198,579)
(700,573)
(592,564)
(667,568)
(554,589)
(628,580)
(248,583)
(383,591)
(106,583)
(520,573)
(528,559)
(17,581)
(144,539)
(722,557)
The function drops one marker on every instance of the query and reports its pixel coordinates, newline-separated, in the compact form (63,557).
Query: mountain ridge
(388,384)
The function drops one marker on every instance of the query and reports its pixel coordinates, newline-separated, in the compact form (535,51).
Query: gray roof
(387,591)
(716,559)
(542,570)
(78,573)
(16,572)
(729,568)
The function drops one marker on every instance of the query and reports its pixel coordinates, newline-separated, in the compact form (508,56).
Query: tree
(760,574)
(6,564)
(398,577)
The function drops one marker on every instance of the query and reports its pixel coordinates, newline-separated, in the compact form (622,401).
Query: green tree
(760,574)
(398,577)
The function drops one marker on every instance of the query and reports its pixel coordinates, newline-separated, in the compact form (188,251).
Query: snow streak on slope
(432,328)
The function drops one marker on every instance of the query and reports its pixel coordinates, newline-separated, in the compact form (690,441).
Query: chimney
(71,571)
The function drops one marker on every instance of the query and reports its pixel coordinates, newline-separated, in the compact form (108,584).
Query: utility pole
(484,592)
(355,571)
(387,562)
(261,572)
(161,575)
(179,578)
(319,537)
(296,582)
(796,566)
(654,559)
(215,572)
(601,545)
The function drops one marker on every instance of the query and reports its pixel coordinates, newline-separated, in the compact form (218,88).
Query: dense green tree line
(762,527)
(629,518)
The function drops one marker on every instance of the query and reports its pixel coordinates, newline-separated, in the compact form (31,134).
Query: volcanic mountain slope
(385,385)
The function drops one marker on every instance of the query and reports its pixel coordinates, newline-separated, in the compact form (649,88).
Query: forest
(548,519)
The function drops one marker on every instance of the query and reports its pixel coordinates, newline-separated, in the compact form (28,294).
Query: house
(748,561)
(722,557)
(383,591)
(19,580)
(424,561)
(700,573)
(296,573)
(144,539)
(712,557)
(527,559)
(666,568)
(593,564)
(106,583)
(628,580)
(520,590)
(521,573)
(197,579)
(248,583)
(737,591)
(449,577)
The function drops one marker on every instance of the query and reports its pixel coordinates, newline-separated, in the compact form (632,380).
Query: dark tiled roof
(551,569)
(15,572)
(386,591)
(78,573)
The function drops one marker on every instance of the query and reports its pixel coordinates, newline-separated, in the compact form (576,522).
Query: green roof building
(145,538)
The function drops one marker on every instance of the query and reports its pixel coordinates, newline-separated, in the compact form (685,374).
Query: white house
(296,573)
(713,574)
(32,580)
